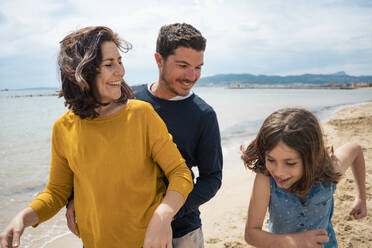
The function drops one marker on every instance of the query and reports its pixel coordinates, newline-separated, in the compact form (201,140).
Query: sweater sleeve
(165,153)
(59,186)
(209,163)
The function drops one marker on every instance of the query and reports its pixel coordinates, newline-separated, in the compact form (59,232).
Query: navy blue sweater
(194,127)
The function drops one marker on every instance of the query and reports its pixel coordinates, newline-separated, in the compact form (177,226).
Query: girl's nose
(280,171)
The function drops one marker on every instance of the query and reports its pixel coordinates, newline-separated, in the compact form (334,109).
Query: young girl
(295,179)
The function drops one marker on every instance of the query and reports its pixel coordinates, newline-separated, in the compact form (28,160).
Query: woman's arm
(11,236)
(159,231)
(254,235)
(351,154)
(166,155)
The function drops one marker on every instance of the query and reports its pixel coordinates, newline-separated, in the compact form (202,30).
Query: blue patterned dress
(289,215)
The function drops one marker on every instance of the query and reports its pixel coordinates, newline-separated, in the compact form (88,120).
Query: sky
(271,37)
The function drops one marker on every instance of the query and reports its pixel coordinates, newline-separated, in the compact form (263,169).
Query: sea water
(27,118)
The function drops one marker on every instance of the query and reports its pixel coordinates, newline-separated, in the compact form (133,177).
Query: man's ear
(159,60)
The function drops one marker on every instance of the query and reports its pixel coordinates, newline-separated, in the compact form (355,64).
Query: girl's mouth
(280,180)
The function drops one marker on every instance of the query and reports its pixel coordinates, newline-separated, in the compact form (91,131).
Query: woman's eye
(108,65)
(270,160)
(291,164)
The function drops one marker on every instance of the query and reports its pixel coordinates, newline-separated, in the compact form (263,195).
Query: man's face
(180,71)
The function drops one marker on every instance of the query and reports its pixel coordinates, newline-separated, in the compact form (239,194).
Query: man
(192,122)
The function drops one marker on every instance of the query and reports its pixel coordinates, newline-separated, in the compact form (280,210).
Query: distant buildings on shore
(330,85)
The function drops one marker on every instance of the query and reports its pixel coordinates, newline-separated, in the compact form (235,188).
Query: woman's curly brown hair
(79,57)
(300,130)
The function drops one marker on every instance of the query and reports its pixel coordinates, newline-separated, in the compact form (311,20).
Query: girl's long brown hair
(300,130)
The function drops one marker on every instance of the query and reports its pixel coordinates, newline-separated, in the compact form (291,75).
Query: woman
(114,151)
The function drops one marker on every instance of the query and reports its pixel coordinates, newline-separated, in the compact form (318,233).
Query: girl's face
(111,72)
(284,164)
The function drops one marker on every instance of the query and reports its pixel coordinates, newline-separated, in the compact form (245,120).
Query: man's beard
(169,86)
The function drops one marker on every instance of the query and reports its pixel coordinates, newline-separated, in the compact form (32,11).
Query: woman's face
(110,74)
(284,164)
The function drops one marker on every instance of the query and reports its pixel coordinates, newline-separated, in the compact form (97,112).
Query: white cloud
(243,36)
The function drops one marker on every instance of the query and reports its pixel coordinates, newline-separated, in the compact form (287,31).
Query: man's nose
(191,75)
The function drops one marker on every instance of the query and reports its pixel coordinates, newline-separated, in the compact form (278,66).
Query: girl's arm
(351,154)
(11,236)
(254,235)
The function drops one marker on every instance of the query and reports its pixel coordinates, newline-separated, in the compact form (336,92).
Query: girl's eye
(291,164)
(108,65)
(270,160)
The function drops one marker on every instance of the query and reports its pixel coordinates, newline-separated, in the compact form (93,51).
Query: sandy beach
(224,216)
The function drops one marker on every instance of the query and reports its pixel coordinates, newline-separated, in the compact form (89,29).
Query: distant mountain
(338,78)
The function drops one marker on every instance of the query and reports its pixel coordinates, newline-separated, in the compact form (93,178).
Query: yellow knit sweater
(116,165)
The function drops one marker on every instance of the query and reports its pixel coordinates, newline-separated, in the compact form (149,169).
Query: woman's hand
(159,232)
(11,236)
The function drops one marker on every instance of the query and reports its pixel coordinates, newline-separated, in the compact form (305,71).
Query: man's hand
(71,219)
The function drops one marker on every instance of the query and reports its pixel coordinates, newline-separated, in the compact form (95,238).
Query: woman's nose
(119,70)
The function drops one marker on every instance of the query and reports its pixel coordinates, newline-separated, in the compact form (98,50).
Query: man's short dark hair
(178,35)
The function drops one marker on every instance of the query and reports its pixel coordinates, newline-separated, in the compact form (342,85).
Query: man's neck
(158,91)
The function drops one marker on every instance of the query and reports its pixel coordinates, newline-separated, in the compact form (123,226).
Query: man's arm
(209,163)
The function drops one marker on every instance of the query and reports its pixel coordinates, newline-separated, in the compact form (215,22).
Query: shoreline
(224,216)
